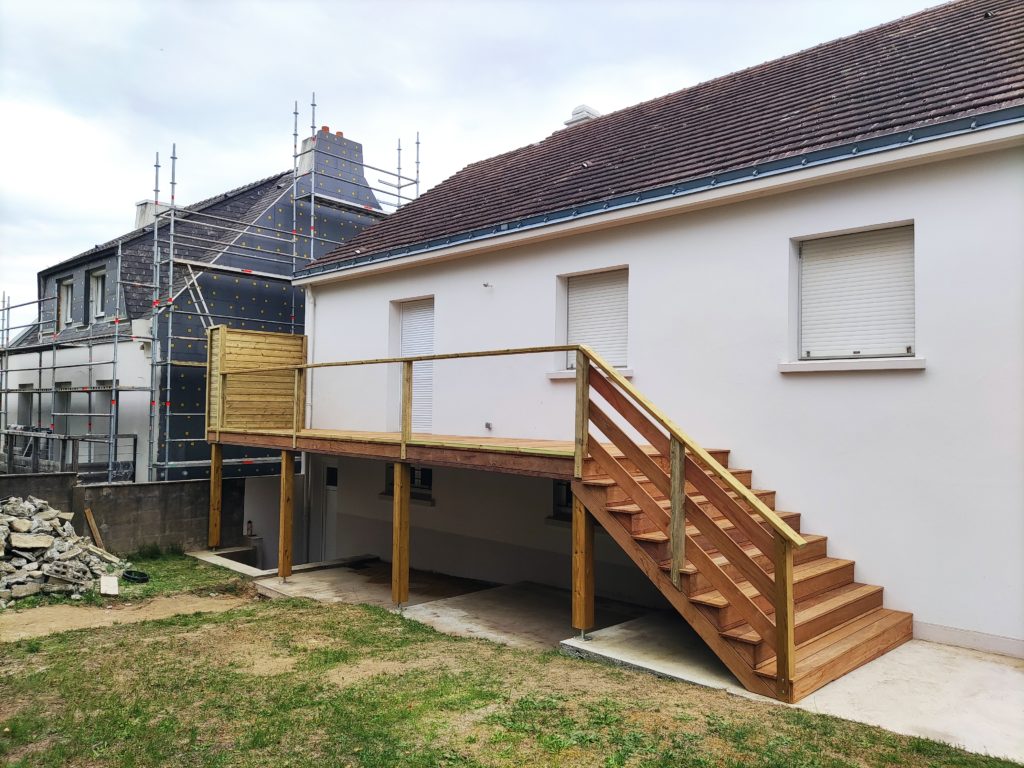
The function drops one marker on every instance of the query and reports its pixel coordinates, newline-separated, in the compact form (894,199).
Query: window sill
(866,364)
(571,374)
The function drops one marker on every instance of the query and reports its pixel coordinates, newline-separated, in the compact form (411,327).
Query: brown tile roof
(953,61)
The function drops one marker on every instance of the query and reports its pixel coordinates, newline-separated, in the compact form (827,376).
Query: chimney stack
(581,114)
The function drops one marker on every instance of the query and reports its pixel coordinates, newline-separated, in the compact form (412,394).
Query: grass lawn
(295,683)
(169,573)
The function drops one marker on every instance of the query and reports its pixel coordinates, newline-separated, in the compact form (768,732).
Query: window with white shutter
(418,339)
(857,295)
(597,309)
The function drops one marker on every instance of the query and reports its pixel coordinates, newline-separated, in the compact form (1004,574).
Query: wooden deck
(511,455)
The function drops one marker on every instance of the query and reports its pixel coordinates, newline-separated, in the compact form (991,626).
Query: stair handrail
(777,523)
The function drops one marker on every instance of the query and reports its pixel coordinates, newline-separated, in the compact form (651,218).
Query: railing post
(785,642)
(677,523)
(582,411)
(295,410)
(406,406)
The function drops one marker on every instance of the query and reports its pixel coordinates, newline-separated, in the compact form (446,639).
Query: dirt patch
(253,656)
(50,619)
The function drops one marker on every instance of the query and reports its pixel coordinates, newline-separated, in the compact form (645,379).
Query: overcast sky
(90,90)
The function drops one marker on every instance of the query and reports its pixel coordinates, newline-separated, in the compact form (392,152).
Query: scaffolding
(192,248)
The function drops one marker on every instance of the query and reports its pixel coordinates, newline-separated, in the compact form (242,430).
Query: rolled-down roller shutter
(597,311)
(418,339)
(857,295)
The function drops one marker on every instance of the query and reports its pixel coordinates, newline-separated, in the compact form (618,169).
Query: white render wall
(133,370)
(917,475)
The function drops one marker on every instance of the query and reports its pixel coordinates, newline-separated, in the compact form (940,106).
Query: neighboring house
(83,387)
(816,262)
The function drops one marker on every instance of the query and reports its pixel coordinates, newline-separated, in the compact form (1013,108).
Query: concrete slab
(520,615)
(970,699)
(369,583)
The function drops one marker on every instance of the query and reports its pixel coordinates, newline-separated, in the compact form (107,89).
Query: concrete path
(50,619)
(966,698)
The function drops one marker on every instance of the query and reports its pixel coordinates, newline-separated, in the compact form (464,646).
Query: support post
(406,407)
(785,641)
(400,534)
(216,489)
(677,522)
(284,542)
(582,411)
(582,567)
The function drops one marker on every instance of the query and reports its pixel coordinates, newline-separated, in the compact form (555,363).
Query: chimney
(146,212)
(581,114)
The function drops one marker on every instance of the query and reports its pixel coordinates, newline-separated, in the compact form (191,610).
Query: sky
(89,91)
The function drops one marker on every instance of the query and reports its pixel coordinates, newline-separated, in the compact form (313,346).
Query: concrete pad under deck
(523,615)
(368,583)
(966,698)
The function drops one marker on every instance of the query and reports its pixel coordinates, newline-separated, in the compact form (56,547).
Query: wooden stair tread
(717,557)
(817,654)
(723,522)
(605,481)
(801,571)
(809,608)
(628,508)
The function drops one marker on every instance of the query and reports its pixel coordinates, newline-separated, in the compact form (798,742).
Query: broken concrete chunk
(24,590)
(66,515)
(20,525)
(46,514)
(31,540)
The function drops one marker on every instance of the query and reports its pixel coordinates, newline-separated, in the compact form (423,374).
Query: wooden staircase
(782,615)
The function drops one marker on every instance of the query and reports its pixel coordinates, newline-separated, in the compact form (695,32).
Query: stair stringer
(594,499)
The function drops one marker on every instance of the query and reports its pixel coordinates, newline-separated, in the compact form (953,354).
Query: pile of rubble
(41,553)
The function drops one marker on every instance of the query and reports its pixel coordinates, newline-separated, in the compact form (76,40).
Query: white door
(418,339)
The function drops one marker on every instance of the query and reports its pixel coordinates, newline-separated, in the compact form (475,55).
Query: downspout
(307,420)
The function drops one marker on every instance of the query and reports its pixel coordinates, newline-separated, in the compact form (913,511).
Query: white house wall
(133,370)
(914,474)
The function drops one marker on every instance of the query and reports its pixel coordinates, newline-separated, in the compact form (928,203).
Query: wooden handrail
(420,358)
(776,522)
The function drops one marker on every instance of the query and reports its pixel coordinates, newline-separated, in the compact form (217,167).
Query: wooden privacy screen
(273,400)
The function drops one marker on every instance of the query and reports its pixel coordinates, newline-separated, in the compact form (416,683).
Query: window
(25,404)
(857,295)
(596,312)
(421,486)
(65,300)
(97,295)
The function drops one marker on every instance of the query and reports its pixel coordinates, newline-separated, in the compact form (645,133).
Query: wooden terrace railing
(688,464)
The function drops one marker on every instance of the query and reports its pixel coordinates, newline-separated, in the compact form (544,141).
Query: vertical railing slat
(677,537)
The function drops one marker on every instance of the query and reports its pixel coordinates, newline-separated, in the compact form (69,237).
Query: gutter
(625,204)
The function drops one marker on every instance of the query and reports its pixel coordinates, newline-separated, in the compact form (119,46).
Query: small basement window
(597,307)
(421,486)
(857,295)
